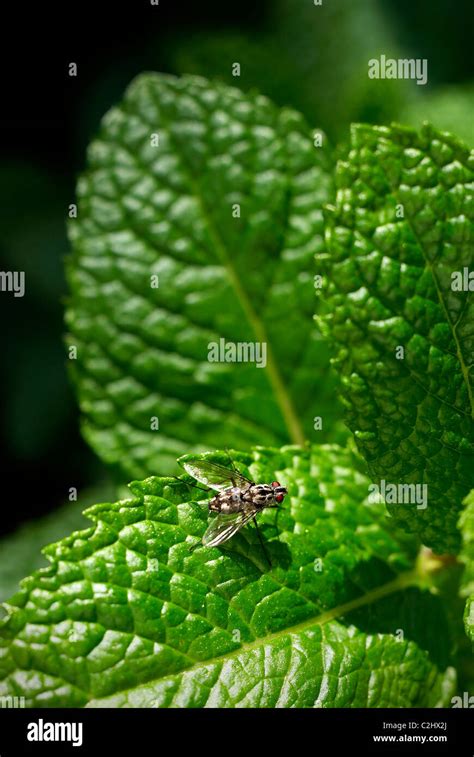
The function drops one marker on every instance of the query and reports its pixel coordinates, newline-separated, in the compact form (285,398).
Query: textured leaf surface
(467,557)
(127,615)
(167,211)
(403,222)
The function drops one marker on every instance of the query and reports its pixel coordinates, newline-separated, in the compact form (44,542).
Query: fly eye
(275,483)
(279,497)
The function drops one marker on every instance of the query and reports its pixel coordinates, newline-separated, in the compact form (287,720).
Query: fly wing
(216,476)
(223,527)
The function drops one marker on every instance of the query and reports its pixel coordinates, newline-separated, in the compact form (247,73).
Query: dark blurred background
(312,58)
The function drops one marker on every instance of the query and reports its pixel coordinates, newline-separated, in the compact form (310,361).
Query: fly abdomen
(228,501)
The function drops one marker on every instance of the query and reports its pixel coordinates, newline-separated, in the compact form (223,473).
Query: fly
(237,502)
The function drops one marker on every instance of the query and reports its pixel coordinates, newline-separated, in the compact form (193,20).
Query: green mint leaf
(402,225)
(162,268)
(127,615)
(466,523)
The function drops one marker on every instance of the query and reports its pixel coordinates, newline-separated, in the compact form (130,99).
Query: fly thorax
(261,495)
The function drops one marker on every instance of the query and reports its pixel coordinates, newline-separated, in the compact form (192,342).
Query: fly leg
(275,522)
(276,518)
(189,483)
(261,542)
(195,546)
(231,461)
(232,465)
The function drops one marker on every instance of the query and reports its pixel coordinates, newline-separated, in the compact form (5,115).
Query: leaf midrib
(282,396)
(402,581)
